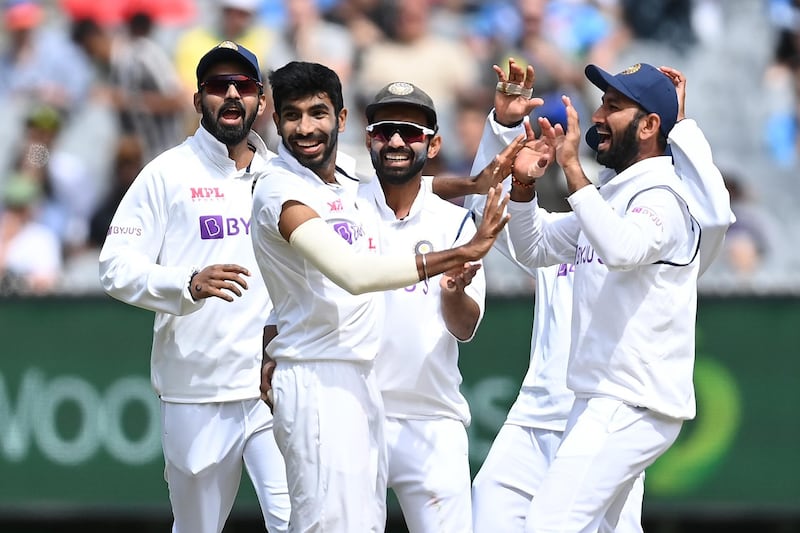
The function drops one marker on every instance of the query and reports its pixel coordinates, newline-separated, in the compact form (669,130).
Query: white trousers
(205,446)
(429,473)
(329,427)
(510,477)
(606,447)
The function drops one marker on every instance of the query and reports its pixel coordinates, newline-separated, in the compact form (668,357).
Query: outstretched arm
(358,273)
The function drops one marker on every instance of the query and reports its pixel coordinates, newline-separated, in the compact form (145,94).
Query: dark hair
(140,24)
(83,29)
(299,79)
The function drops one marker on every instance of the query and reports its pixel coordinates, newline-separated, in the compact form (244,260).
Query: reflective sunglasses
(410,132)
(245,85)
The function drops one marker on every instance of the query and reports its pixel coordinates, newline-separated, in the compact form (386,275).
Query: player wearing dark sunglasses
(179,245)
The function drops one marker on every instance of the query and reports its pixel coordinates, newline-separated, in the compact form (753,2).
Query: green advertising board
(79,422)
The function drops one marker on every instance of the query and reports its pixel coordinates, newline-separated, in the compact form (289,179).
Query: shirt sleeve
(655,227)
(539,238)
(129,268)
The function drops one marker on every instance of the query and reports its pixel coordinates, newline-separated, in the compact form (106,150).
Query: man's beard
(227,135)
(397,176)
(624,149)
(317,162)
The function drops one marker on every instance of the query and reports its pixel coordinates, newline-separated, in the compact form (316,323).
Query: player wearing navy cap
(637,246)
(179,245)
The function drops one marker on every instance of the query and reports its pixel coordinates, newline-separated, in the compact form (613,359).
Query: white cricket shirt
(544,401)
(316,319)
(417,365)
(633,315)
(187,209)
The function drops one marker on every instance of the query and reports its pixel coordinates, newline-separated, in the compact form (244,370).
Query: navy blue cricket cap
(228,51)
(645,85)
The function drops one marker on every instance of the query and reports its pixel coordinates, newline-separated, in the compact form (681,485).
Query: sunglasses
(245,85)
(410,132)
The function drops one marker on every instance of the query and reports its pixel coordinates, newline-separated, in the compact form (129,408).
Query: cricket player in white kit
(315,249)
(527,442)
(417,363)
(179,245)
(635,247)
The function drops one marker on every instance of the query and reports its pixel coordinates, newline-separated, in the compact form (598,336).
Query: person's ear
(434,146)
(649,126)
(197,99)
(276,119)
(262,104)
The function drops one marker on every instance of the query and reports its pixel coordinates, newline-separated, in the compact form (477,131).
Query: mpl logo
(207,193)
(217,227)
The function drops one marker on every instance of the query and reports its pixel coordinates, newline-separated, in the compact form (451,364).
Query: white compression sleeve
(356,273)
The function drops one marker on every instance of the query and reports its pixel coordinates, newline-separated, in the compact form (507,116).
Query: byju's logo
(347,230)
(217,227)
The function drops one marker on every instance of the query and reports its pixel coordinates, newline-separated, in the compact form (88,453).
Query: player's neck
(400,196)
(242,154)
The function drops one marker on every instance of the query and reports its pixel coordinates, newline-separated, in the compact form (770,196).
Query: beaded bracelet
(515,181)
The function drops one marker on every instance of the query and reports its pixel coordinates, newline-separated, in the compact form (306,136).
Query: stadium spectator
(137,78)
(233,20)
(69,190)
(751,248)
(30,253)
(128,162)
(412,52)
(39,63)
(306,36)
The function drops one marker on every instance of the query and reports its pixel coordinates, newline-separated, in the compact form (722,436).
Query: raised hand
(679,80)
(532,160)
(494,220)
(565,144)
(500,167)
(512,99)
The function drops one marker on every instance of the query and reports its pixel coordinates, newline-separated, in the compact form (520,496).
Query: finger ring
(514,89)
(198,287)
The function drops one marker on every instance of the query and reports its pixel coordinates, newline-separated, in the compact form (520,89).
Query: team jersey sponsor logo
(648,212)
(335,206)
(124,230)
(219,227)
(565,269)
(206,193)
(347,230)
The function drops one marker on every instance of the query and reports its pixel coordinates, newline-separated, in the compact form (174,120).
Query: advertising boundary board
(79,428)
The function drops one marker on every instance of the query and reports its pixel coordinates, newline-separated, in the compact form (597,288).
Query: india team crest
(423,247)
(228,44)
(632,69)
(400,88)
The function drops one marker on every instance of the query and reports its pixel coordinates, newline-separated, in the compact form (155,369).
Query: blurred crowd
(93,90)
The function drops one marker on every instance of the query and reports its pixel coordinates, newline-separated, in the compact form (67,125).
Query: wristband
(514,125)
(191,279)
